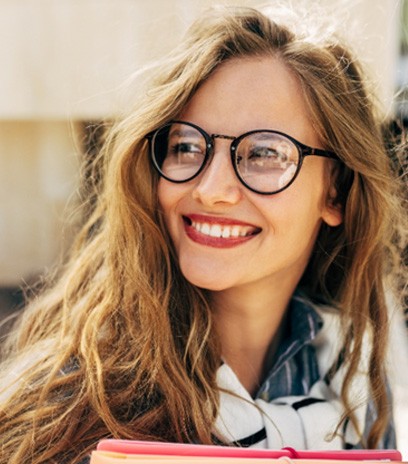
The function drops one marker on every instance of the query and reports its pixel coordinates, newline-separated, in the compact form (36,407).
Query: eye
(264,155)
(186,151)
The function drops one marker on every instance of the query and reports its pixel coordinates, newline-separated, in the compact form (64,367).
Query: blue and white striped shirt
(296,369)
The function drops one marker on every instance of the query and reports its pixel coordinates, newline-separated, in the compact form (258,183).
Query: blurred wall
(64,61)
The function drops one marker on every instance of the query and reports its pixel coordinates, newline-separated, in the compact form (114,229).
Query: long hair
(121,344)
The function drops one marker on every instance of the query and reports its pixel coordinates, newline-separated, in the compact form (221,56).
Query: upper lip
(218,220)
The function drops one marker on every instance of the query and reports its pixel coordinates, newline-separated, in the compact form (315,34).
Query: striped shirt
(295,369)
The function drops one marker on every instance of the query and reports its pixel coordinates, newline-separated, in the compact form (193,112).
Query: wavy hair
(121,345)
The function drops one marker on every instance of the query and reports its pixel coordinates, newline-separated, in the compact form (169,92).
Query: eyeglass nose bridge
(222,136)
(225,137)
(211,149)
(210,144)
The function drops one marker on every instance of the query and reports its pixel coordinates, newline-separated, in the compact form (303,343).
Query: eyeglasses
(265,161)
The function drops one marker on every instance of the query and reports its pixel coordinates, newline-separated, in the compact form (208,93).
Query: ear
(332,213)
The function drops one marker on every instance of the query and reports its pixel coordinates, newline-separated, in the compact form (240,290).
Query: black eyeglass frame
(304,150)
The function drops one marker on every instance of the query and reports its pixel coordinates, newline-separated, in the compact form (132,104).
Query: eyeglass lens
(265,161)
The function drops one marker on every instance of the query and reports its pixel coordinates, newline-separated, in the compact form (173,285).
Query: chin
(207,281)
(204,273)
(206,285)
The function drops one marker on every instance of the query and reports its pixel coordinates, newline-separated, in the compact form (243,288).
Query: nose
(218,183)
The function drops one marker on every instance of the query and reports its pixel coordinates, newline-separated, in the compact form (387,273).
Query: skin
(251,283)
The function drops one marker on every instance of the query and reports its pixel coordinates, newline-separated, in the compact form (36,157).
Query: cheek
(166,201)
(169,197)
(296,213)
(162,195)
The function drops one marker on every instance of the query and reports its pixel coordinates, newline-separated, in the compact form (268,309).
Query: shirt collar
(304,323)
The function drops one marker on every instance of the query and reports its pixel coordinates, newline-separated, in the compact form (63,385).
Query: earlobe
(332,214)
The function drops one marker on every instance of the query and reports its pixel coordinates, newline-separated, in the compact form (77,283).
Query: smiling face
(225,235)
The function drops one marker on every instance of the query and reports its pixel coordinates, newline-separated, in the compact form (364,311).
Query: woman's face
(265,239)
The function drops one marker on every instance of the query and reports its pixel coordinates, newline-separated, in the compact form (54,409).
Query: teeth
(235,231)
(224,231)
(205,229)
(216,231)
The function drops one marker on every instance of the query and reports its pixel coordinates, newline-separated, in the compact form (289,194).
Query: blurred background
(64,68)
(64,65)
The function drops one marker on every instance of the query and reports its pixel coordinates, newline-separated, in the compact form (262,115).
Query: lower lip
(215,242)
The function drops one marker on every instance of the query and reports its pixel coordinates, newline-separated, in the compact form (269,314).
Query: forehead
(245,94)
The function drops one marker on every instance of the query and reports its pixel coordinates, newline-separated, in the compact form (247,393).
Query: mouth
(218,232)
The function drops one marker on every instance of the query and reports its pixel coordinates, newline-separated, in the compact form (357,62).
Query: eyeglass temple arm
(319,152)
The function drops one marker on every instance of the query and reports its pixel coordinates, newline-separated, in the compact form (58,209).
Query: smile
(218,232)
(224,231)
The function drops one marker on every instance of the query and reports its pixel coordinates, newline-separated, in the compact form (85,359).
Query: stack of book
(145,452)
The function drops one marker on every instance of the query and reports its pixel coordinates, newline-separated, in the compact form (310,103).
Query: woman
(229,283)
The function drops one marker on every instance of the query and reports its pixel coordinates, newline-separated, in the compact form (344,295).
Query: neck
(251,325)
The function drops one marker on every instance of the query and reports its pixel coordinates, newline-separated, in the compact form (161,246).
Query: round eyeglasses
(265,161)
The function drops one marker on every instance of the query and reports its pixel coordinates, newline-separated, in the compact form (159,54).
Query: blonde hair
(122,345)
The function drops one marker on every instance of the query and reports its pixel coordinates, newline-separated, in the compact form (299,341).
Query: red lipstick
(218,232)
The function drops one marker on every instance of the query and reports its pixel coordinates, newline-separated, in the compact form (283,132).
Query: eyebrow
(178,132)
(270,133)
